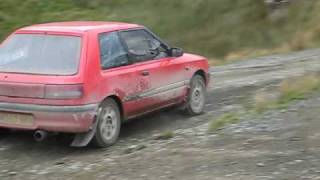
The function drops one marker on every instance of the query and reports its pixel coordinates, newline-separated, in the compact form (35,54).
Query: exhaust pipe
(40,135)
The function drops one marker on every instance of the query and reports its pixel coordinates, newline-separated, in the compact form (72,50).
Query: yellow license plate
(16,119)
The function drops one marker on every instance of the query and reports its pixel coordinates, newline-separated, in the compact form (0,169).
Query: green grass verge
(228,118)
(165,135)
(290,90)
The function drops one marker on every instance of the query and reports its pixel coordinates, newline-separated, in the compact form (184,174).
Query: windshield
(40,54)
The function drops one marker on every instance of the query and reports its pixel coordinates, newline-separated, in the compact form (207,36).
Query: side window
(112,53)
(142,46)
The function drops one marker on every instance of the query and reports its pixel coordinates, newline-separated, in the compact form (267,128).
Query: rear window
(40,54)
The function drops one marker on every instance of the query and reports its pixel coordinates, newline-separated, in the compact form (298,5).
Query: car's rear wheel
(197,96)
(109,123)
(4,131)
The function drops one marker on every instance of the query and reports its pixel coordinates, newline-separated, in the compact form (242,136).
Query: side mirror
(176,52)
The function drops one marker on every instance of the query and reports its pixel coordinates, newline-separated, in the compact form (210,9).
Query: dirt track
(282,145)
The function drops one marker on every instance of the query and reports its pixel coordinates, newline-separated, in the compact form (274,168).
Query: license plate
(16,119)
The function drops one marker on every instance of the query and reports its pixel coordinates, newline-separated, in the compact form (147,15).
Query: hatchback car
(86,78)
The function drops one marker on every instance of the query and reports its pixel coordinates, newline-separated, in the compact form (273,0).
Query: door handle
(145,73)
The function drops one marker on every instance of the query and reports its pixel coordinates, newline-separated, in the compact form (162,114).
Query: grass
(227,118)
(297,88)
(224,30)
(165,135)
(289,90)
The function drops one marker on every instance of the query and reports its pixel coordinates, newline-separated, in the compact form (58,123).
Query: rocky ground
(277,144)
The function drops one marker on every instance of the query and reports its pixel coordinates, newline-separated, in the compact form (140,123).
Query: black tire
(4,131)
(109,124)
(196,98)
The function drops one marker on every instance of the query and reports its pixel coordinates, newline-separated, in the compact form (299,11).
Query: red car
(86,78)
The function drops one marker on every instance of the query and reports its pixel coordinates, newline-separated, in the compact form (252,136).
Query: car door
(162,78)
(118,74)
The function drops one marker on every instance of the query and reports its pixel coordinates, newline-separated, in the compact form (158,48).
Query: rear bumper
(70,119)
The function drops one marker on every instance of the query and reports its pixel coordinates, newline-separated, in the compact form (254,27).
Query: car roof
(80,26)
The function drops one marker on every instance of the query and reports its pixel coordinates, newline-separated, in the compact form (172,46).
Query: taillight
(63,91)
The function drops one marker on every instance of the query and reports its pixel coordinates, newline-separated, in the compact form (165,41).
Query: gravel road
(275,145)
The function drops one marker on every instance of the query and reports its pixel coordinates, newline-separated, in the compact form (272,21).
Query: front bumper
(69,119)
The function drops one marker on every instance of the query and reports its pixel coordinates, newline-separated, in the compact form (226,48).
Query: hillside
(219,29)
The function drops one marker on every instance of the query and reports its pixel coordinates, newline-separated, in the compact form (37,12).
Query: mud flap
(83,139)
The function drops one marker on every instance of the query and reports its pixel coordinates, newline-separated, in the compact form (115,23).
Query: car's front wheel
(108,125)
(197,96)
